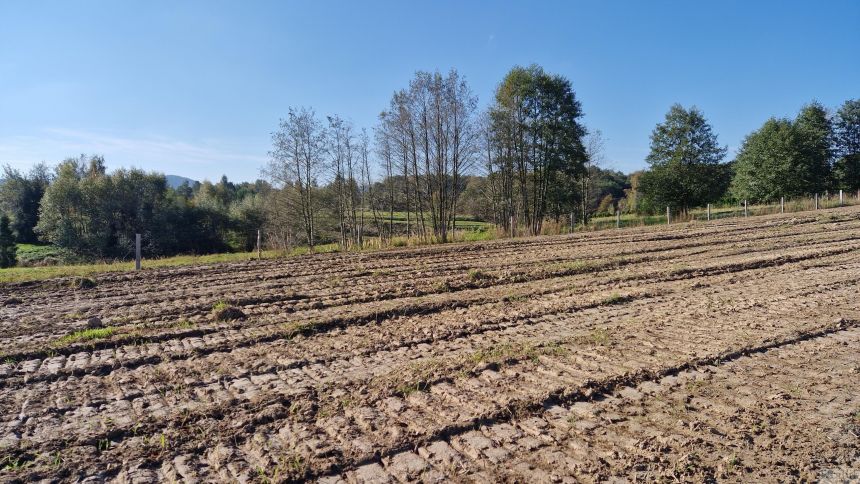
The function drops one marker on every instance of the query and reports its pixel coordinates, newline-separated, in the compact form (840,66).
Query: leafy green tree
(248,215)
(786,158)
(847,141)
(8,248)
(20,196)
(815,133)
(769,164)
(97,214)
(62,220)
(536,144)
(685,162)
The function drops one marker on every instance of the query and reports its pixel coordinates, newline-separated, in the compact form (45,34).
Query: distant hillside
(176,180)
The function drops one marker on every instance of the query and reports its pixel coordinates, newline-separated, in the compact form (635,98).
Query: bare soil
(726,351)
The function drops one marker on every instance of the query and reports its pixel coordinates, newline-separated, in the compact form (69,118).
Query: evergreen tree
(8,248)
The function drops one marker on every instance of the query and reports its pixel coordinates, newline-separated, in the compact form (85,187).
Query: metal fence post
(709,212)
(840,198)
(746,211)
(668,216)
(782,205)
(137,252)
(618,219)
(259,246)
(816,201)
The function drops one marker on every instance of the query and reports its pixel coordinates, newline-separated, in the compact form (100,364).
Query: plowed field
(727,350)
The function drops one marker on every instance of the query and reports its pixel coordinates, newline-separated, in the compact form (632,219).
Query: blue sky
(196,88)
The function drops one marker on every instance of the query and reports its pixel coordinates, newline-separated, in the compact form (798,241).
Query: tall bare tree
(594,158)
(368,198)
(344,156)
(431,128)
(296,161)
(386,155)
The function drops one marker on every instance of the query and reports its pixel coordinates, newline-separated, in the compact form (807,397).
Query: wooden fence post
(668,216)
(259,246)
(816,201)
(571,223)
(782,205)
(709,212)
(137,252)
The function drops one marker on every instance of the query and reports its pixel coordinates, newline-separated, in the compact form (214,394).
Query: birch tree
(430,130)
(297,161)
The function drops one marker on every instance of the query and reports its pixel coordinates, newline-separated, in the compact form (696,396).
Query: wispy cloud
(200,158)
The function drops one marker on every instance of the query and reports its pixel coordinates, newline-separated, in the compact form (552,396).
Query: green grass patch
(480,234)
(21,274)
(84,336)
(318,249)
(223,311)
(31,255)
(182,324)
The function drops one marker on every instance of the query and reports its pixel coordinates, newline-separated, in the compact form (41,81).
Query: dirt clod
(229,313)
(82,283)
(11,301)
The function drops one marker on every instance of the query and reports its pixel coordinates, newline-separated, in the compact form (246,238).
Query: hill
(175,180)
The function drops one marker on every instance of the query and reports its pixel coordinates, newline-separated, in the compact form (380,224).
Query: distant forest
(433,164)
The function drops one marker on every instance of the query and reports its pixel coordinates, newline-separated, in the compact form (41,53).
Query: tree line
(94,214)
(432,159)
(815,153)
(527,149)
